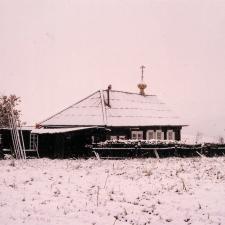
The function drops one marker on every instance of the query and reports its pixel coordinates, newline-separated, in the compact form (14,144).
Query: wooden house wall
(60,145)
(7,138)
(73,143)
(126,131)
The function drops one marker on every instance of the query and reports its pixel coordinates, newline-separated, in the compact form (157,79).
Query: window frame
(162,135)
(173,135)
(147,134)
(137,132)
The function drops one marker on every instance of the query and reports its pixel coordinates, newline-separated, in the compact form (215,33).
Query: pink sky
(53,53)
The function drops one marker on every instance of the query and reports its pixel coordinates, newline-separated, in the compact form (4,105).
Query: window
(159,135)
(113,137)
(170,135)
(137,135)
(150,135)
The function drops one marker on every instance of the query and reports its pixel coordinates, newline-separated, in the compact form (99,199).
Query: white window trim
(173,135)
(147,134)
(162,134)
(136,132)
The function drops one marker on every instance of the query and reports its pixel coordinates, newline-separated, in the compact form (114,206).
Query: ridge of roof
(127,92)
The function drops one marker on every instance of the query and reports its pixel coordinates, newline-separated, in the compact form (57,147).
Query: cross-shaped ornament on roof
(142,72)
(142,85)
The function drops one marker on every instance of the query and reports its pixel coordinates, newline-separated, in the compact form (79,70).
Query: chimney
(108,96)
(38,126)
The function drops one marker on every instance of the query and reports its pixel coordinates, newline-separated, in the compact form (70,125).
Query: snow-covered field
(113,192)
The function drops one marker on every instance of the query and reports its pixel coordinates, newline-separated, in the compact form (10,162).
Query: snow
(131,109)
(86,112)
(138,191)
(192,139)
(126,109)
(139,142)
(59,130)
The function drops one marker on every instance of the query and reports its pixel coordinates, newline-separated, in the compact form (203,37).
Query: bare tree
(8,103)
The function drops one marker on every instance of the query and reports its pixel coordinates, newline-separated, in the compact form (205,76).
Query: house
(105,115)
(126,115)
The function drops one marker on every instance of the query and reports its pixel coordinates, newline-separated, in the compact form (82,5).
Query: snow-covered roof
(60,130)
(23,128)
(126,109)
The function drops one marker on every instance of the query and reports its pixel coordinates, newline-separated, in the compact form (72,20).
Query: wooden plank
(203,156)
(156,153)
(96,155)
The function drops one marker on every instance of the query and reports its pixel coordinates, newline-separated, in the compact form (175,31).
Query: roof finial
(142,72)
(142,85)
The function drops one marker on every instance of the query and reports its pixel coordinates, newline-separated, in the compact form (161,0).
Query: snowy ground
(113,192)
(192,139)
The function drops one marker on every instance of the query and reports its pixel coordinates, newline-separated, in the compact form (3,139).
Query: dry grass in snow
(113,192)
